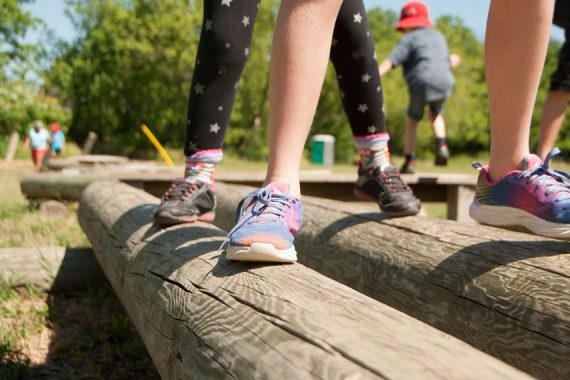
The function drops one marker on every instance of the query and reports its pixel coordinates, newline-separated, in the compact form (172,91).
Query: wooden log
(89,142)
(203,317)
(50,267)
(56,186)
(504,292)
(12,147)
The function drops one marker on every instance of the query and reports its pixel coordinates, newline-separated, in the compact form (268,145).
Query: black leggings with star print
(227,30)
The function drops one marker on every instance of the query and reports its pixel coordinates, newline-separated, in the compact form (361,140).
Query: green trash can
(322,149)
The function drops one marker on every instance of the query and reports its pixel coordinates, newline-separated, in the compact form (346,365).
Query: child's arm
(455,60)
(385,66)
(397,56)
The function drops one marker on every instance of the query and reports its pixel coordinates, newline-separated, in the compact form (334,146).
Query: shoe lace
(263,204)
(180,190)
(556,181)
(390,177)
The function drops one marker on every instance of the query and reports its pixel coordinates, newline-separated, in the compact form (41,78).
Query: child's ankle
(201,166)
(373,151)
(293,185)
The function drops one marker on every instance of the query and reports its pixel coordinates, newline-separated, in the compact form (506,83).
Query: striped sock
(373,151)
(201,166)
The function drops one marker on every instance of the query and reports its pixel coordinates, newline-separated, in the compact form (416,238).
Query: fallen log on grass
(504,292)
(50,267)
(203,317)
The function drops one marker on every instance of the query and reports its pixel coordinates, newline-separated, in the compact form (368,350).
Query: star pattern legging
(227,30)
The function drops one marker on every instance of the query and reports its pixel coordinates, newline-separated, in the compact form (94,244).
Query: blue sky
(474,12)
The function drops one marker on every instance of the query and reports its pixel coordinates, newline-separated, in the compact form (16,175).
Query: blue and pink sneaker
(267,221)
(536,197)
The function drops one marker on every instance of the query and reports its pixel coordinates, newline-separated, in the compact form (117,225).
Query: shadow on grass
(92,338)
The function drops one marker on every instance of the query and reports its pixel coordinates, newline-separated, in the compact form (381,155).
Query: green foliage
(15,23)
(21,103)
(133,62)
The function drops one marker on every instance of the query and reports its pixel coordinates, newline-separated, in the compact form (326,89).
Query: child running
(224,45)
(427,67)
(516,186)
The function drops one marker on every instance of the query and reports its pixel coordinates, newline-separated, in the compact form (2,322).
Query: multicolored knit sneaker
(267,222)
(536,197)
(187,200)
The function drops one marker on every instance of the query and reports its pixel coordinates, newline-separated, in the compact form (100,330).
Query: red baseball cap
(415,14)
(55,127)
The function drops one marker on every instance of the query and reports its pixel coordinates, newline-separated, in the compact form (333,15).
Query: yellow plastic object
(157,145)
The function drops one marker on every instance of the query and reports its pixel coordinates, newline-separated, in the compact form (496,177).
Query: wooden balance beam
(50,267)
(203,317)
(504,292)
(456,190)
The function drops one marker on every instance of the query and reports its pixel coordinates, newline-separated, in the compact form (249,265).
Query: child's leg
(226,35)
(515,47)
(222,53)
(411,137)
(553,113)
(270,217)
(438,128)
(299,57)
(518,188)
(354,57)
(438,125)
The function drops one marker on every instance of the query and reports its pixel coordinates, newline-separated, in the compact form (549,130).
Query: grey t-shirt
(424,55)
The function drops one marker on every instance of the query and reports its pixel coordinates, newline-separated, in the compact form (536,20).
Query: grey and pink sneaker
(537,198)
(267,221)
(186,201)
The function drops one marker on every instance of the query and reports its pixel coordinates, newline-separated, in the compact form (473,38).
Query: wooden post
(12,147)
(203,317)
(504,292)
(459,199)
(50,267)
(89,142)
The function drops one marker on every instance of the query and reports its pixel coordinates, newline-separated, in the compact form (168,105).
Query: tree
(15,24)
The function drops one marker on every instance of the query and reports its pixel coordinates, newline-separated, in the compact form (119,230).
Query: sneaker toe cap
(249,234)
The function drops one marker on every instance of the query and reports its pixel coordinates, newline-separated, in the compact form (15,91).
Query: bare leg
(411,137)
(300,53)
(514,59)
(437,125)
(553,113)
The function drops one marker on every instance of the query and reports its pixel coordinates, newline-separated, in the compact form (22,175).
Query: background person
(424,55)
(57,140)
(38,142)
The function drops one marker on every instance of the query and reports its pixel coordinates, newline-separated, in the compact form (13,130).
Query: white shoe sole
(263,252)
(510,216)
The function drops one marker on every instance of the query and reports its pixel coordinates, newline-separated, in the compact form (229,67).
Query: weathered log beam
(50,267)
(203,317)
(504,292)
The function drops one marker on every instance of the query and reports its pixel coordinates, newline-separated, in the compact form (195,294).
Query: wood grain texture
(50,267)
(504,292)
(203,317)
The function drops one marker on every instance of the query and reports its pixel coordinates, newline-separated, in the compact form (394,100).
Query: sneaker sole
(396,214)
(167,219)
(503,216)
(262,252)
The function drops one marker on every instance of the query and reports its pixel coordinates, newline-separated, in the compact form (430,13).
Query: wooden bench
(202,316)
(456,190)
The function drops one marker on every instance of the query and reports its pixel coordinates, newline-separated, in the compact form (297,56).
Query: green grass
(19,318)
(20,223)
